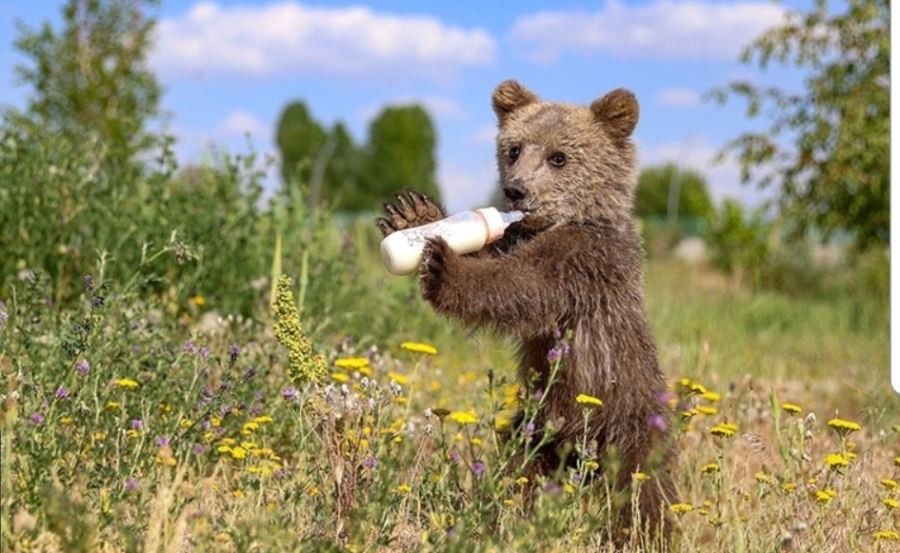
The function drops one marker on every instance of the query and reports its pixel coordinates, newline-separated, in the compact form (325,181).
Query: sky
(228,68)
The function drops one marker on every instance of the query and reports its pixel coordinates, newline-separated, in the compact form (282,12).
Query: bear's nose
(515,190)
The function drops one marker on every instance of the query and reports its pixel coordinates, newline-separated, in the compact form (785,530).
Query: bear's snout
(515,190)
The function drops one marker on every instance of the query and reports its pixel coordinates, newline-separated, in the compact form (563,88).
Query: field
(159,422)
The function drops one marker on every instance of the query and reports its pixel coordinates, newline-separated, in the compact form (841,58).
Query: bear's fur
(573,264)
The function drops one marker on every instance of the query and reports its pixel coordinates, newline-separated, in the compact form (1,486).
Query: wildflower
(639,476)
(826,495)
(897,461)
(890,503)
(724,429)
(697,388)
(843,427)
(590,401)
(791,408)
(370,462)
(112,405)
(569,488)
(403,489)
(707,410)
(98,436)
(162,441)
(263,419)
(61,393)
(82,368)
(340,377)
(233,352)
(658,422)
(417,347)
(398,378)
(591,465)
(710,468)
(132,433)
(290,393)
(836,461)
(463,418)
(66,421)
(789,486)
(522,480)
(478,468)
(711,396)
(238,452)
(198,449)
(354,363)
(36,419)
(132,484)
(198,300)
(127,383)
(764,478)
(137,424)
(889,483)
(887,535)
(681,508)
(303,364)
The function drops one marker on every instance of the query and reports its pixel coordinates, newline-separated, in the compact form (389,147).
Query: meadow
(146,410)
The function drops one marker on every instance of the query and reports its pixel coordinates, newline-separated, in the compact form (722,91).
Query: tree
(653,193)
(300,138)
(400,155)
(92,78)
(826,147)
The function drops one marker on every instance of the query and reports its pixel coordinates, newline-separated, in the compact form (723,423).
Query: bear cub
(573,265)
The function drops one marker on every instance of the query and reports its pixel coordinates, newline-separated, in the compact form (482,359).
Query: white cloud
(678,98)
(435,105)
(465,187)
(239,123)
(660,29)
(289,37)
(697,153)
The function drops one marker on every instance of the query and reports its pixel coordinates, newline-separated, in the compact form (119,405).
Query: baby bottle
(465,232)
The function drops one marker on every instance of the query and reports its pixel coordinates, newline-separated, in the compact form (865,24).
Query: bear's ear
(510,96)
(618,112)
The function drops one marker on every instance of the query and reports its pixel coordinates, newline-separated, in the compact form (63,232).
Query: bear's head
(563,163)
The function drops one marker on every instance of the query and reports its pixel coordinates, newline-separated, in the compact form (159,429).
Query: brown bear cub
(573,264)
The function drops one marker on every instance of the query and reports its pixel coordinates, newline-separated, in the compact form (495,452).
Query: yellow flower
(789,486)
(681,508)
(591,465)
(724,429)
(351,362)
(569,488)
(887,535)
(238,452)
(112,405)
(897,461)
(639,476)
(303,364)
(836,461)
(710,468)
(764,478)
(185,423)
(463,418)
(127,383)
(889,483)
(403,489)
(99,436)
(227,441)
(263,419)
(249,427)
(398,378)
(711,396)
(132,433)
(340,377)
(890,502)
(698,388)
(66,421)
(223,449)
(590,401)
(791,408)
(198,300)
(826,495)
(522,480)
(249,446)
(707,410)
(843,427)
(417,347)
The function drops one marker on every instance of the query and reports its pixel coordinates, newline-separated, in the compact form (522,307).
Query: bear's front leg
(509,293)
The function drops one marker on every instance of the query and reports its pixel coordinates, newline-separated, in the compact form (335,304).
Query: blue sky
(228,67)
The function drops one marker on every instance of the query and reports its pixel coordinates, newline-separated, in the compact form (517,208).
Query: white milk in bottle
(465,232)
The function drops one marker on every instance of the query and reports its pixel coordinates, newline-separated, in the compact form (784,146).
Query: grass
(216,448)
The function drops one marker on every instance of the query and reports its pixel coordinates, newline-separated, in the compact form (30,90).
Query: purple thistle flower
(538,394)
(132,484)
(162,441)
(658,422)
(137,424)
(36,419)
(189,347)
(206,425)
(89,282)
(528,430)
(478,468)
(203,353)
(233,352)
(576,477)
(555,354)
(370,462)
(663,397)
(198,449)
(454,456)
(290,393)
(61,393)
(83,367)
(249,373)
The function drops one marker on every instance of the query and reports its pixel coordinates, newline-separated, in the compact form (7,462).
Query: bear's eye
(513,154)
(558,159)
